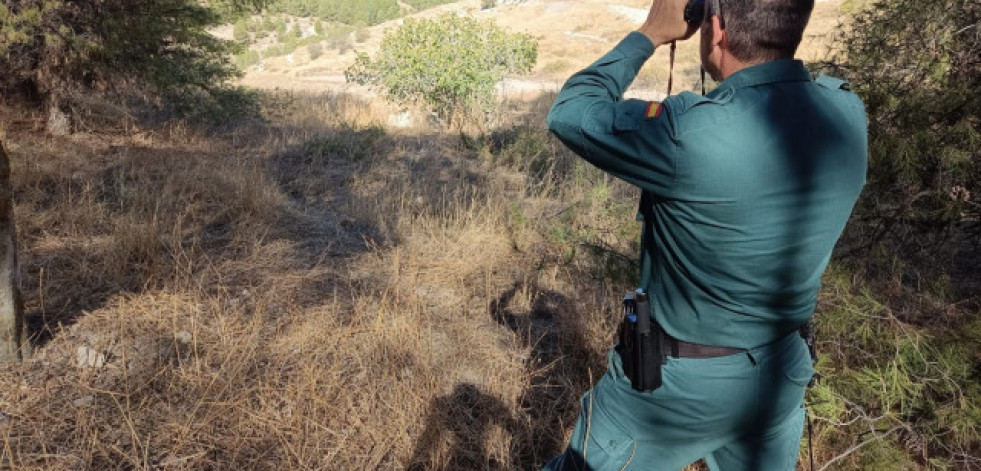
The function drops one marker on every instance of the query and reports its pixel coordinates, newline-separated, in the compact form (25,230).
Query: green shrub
(240,30)
(247,58)
(315,50)
(450,64)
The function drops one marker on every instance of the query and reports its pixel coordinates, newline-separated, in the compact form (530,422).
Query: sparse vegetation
(350,12)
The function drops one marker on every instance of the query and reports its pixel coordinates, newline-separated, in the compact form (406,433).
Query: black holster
(639,344)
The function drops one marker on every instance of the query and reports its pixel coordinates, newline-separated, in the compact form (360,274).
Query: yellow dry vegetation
(313,292)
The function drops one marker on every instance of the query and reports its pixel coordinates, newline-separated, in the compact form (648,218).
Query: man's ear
(718,32)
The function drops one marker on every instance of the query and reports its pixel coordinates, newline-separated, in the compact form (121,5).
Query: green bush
(240,30)
(247,58)
(315,50)
(914,62)
(268,23)
(450,64)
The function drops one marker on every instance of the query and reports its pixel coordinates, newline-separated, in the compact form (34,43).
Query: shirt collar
(785,70)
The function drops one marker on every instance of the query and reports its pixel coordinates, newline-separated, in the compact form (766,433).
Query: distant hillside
(352,12)
(570,33)
(313,27)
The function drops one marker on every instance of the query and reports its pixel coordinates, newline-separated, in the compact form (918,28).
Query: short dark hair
(765,30)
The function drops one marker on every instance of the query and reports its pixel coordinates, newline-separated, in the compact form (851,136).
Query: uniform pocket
(801,369)
(628,115)
(606,444)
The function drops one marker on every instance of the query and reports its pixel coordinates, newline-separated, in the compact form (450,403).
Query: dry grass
(315,293)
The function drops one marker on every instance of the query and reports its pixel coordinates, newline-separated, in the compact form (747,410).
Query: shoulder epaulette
(685,101)
(833,83)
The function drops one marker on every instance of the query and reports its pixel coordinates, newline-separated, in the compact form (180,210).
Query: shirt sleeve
(626,138)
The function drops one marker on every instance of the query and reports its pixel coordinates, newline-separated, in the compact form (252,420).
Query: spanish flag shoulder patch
(653,110)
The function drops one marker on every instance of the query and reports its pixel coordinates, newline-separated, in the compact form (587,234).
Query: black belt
(681,349)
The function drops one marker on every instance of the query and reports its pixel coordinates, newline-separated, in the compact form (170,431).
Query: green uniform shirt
(751,187)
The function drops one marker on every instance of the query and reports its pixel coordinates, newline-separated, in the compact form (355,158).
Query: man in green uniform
(747,189)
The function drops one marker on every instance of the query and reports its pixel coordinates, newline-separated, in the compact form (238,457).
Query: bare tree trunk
(13,333)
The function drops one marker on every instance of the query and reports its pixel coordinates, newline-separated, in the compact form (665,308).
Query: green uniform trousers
(739,412)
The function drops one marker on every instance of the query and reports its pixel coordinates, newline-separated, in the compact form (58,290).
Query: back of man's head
(765,30)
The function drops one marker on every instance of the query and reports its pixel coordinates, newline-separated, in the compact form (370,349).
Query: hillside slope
(571,34)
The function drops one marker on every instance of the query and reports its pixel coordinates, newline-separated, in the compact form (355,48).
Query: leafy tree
(450,64)
(917,65)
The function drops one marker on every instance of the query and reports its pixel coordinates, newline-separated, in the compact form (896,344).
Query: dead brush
(226,303)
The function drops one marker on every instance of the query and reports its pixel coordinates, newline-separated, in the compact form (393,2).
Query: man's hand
(666,22)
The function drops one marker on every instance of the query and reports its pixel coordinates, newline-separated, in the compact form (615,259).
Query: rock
(84,401)
(59,124)
(404,374)
(86,356)
(400,120)
(184,337)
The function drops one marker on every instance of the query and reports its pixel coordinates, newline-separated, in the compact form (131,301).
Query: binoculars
(695,11)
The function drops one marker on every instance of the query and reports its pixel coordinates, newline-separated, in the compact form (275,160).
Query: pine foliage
(54,48)
(917,65)
(893,394)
